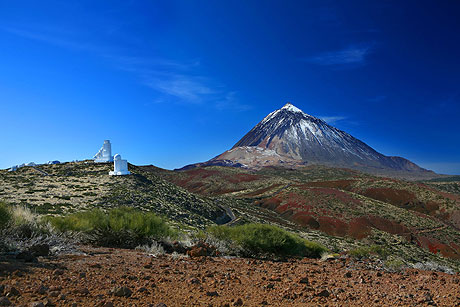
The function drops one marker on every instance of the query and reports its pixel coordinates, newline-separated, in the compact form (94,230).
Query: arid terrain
(229,153)
(388,241)
(117,277)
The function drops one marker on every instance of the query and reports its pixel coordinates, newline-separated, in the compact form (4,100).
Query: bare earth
(117,277)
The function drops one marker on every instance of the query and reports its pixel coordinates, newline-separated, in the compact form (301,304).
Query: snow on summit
(290,137)
(294,134)
(290,107)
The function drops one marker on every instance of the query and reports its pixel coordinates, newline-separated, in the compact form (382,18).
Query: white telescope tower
(105,153)
(120,167)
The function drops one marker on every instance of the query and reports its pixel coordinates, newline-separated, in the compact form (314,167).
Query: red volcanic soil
(311,210)
(238,178)
(434,246)
(391,196)
(199,181)
(338,184)
(115,277)
(263,190)
(304,211)
(402,198)
(200,173)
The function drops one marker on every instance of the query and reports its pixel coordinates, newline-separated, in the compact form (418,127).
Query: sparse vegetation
(258,240)
(5,215)
(25,231)
(394,264)
(368,251)
(121,227)
(336,208)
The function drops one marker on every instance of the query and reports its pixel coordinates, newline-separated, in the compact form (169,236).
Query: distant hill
(446,179)
(418,217)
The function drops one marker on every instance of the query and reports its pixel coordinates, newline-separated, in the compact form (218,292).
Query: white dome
(117,157)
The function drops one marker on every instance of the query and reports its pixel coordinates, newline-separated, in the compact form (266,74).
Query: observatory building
(120,167)
(105,153)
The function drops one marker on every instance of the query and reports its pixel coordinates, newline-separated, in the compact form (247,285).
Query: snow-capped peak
(295,135)
(288,106)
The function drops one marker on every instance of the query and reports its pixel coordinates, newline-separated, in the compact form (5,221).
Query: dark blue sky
(178,82)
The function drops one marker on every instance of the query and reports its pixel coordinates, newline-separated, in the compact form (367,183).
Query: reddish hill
(344,204)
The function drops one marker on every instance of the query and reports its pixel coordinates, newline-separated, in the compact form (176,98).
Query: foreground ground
(116,277)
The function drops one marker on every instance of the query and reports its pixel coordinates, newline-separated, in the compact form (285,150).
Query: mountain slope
(75,186)
(290,137)
(337,207)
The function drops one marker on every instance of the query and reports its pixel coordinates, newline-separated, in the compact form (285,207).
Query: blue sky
(177,82)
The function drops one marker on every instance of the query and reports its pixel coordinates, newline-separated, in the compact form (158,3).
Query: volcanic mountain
(290,137)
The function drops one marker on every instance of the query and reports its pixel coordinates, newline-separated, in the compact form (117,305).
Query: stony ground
(116,277)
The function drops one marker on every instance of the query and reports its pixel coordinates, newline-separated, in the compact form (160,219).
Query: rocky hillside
(338,207)
(70,187)
(114,277)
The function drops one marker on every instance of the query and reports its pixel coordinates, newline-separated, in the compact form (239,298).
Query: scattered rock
(212,293)
(18,273)
(323,293)
(4,301)
(55,288)
(304,280)
(36,304)
(202,249)
(26,256)
(193,281)
(174,247)
(58,272)
(41,290)
(208,282)
(38,250)
(54,294)
(122,291)
(270,286)
(13,292)
(82,290)
(330,257)
(428,297)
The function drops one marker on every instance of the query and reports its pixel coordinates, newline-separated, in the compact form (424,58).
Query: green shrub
(5,215)
(257,240)
(121,227)
(394,264)
(24,229)
(367,251)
